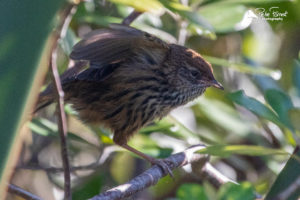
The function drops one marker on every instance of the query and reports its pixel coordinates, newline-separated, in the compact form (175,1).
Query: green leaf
(89,188)
(231,191)
(197,19)
(162,125)
(45,127)
(234,124)
(190,191)
(99,19)
(183,132)
(149,146)
(294,115)
(281,103)
(153,6)
(155,31)
(165,185)
(170,126)
(224,18)
(286,177)
(70,110)
(68,41)
(250,150)
(122,167)
(296,75)
(195,29)
(174,128)
(103,134)
(241,67)
(25,26)
(252,1)
(187,13)
(174,5)
(254,106)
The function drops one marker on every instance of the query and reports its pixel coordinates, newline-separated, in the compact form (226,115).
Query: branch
(216,178)
(211,174)
(62,125)
(152,175)
(183,26)
(273,138)
(131,17)
(22,193)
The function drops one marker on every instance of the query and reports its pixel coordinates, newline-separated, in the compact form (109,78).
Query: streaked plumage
(133,78)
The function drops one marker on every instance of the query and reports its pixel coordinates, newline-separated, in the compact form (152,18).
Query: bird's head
(190,70)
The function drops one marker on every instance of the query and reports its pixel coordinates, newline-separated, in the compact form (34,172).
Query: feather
(114,44)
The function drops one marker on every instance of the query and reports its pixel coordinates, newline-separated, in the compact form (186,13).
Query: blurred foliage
(251,128)
(226,192)
(190,192)
(227,150)
(88,188)
(232,191)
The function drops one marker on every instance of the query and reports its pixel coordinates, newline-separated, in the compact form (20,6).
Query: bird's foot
(163,164)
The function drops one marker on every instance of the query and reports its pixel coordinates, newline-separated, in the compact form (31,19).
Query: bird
(132,78)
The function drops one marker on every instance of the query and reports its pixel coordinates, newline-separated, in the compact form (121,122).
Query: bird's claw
(163,164)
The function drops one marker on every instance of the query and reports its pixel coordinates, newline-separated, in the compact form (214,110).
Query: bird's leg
(153,161)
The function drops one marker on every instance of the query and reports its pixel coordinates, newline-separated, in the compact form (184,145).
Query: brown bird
(133,78)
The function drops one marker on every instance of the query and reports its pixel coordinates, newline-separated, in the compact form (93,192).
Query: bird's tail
(46,98)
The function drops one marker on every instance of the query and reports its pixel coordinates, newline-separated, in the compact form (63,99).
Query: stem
(22,193)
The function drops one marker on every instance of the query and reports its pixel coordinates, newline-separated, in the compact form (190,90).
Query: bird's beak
(216,84)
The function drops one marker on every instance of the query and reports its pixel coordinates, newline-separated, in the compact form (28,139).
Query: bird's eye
(195,74)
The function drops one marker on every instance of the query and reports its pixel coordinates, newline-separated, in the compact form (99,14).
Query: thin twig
(213,176)
(152,175)
(131,17)
(273,138)
(182,35)
(22,193)
(62,125)
(208,172)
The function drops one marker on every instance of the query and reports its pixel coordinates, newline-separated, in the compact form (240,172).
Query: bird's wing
(114,44)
